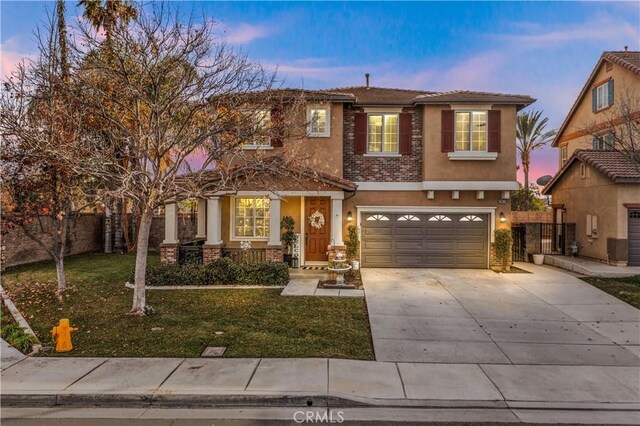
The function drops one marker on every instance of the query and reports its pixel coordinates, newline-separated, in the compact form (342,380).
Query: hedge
(219,272)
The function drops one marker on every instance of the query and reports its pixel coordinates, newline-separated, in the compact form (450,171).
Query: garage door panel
(412,240)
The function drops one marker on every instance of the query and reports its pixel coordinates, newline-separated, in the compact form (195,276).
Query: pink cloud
(244,33)
(11,54)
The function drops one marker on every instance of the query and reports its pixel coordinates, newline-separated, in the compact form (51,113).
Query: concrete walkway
(590,268)
(547,317)
(140,382)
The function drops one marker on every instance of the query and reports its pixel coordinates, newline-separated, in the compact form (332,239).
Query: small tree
(503,243)
(522,199)
(287,223)
(353,245)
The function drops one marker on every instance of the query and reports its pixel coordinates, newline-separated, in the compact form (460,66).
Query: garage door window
(470,218)
(439,218)
(377,217)
(408,218)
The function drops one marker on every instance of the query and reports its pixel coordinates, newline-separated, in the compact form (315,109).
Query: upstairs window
(563,155)
(602,96)
(471,131)
(604,143)
(319,120)
(382,133)
(258,136)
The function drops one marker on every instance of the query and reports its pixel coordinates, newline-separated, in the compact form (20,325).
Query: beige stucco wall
(574,137)
(437,165)
(419,199)
(595,195)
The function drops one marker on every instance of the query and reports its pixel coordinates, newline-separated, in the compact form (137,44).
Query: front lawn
(626,289)
(255,323)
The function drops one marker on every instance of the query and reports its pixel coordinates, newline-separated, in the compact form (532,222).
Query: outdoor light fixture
(502,218)
(349,217)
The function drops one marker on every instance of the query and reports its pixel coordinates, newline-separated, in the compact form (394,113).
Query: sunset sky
(542,49)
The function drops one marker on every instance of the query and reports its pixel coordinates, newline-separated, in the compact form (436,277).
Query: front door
(317,237)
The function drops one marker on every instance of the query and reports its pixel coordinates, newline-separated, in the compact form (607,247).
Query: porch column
(336,222)
(212,248)
(274,246)
(169,247)
(201,233)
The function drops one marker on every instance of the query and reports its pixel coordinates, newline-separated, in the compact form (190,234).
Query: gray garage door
(419,240)
(634,238)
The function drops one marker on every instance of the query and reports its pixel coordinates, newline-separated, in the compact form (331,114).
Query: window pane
(318,120)
(390,133)
(479,136)
(375,133)
(463,131)
(263,123)
(251,217)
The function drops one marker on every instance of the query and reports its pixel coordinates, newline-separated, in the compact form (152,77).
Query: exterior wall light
(503,219)
(349,216)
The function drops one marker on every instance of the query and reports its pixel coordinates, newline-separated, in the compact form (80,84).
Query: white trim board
(491,211)
(335,195)
(440,185)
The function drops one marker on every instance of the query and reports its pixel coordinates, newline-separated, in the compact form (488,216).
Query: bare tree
(38,124)
(185,104)
(620,129)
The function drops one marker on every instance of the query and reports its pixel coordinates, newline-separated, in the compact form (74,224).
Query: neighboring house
(597,187)
(425,175)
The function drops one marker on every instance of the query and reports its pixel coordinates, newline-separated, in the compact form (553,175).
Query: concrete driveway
(477,316)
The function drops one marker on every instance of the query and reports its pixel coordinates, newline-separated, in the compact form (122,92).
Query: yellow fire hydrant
(62,336)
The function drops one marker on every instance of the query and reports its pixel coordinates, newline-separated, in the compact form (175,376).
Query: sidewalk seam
(493,383)
(85,375)
(404,391)
(169,375)
(253,373)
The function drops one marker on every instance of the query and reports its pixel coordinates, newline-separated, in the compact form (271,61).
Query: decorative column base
(211,253)
(274,254)
(169,254)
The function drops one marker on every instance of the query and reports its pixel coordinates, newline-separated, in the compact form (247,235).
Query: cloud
(12,52)
(244,33)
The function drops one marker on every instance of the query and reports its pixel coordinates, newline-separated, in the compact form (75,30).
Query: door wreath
(316,220)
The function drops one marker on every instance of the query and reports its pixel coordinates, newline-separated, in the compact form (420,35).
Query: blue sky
(543,49)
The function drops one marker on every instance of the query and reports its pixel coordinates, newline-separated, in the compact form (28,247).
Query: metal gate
(519,247)
(553,238)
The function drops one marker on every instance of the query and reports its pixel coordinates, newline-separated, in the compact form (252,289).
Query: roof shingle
(626,59)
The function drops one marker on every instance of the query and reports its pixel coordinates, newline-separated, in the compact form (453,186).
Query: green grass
(626,289)
(255,323)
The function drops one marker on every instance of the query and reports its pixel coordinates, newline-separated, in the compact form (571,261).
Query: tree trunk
(525,171)
(117,227)
(62,281)
(107,229)
(139,296)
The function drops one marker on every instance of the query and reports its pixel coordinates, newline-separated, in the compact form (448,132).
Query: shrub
(353,245)
(16,336)
(288,236)
(219,272)
(503,242)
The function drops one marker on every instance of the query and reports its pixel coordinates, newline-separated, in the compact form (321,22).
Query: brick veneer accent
(532,217)
(211,253)
(169,254)
(274,254)
(361,168)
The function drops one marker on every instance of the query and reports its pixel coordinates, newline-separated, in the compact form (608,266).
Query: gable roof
(364,95)
(629,60)
(613,164)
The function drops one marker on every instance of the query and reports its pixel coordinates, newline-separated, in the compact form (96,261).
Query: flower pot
(288,259)
(538,259)
(355,264)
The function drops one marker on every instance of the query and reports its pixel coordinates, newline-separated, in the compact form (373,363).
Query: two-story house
(424,175)
(598,185)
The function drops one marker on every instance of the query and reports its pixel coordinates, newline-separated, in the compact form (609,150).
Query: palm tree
(105,14)
(531,135)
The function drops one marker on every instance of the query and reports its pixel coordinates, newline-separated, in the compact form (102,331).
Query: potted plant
(353,247)
(503,242)
(287,223)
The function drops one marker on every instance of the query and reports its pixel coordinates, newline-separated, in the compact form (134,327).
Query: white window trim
(455,134)
(563,154)
(327,132)
(383,154)
(605,96)
(232,222)
(472,155)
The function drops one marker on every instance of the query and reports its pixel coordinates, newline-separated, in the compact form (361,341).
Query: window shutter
(405,133)
(594,99)
(447,130)
(494,131)
(594,144)
(360,132)
(610,83)
(277,127)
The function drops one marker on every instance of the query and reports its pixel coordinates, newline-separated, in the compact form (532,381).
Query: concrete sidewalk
(590,268)
(201,383)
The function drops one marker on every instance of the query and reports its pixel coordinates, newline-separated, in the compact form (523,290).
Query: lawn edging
(204,287)
(19,319)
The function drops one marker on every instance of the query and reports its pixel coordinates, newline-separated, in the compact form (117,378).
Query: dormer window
(602,96)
